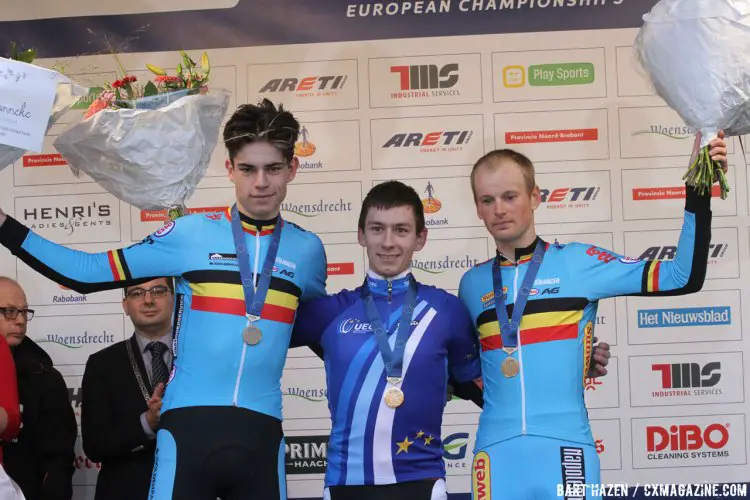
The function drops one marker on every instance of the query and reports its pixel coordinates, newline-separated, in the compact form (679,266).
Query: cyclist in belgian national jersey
(534,434)
(240,275)
(390,348)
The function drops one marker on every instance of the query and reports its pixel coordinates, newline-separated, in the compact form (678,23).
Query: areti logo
(442,140)
(426,76)
(308,85)
(443,264)
(686,437)
(570,197)
(684,375)
(671,132)
(715,251)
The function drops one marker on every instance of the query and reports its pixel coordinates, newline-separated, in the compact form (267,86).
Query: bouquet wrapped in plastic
(696,54)
(149,145)
(68,92)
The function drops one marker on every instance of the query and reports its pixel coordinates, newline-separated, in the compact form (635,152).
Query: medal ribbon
(254,300)
(509,329)
(393,360)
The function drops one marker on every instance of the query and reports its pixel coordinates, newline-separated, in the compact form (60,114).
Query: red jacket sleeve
(8,391)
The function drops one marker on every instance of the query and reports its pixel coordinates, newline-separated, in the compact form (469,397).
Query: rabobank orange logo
(431,204)
(304,147)
(480,477)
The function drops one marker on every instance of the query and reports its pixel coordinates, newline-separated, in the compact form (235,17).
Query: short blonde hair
(493,158)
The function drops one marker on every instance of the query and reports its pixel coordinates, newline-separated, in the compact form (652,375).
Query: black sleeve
(104,435)
(468,391)
(55,440)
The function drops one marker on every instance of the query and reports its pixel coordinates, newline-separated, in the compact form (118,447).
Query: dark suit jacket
(111,432)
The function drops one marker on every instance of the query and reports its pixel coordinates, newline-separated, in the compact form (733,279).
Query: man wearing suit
(121,394)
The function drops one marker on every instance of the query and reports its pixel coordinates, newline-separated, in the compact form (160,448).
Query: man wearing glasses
(41,458)
(122,392)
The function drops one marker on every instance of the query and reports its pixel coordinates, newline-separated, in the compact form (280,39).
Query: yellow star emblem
(420,434)
(404,445)
(428,439)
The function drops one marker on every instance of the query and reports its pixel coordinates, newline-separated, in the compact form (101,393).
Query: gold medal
(510,367)
(394,397)
(252,335)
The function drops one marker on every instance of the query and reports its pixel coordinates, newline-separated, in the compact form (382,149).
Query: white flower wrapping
(151,157)
(696,54)
(68,92)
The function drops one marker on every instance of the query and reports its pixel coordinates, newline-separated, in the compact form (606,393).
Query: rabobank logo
(315,209)
(681,317)
(443,264)
(77,341)
(305,148)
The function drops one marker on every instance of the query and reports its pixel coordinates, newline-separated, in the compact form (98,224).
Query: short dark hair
(391,194)
(498,155)
(262,122)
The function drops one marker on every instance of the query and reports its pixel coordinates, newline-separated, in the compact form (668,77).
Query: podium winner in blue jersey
(389,348)
(534,434)
(239,278)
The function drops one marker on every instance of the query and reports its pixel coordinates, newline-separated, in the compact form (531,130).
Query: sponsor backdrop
(431,86)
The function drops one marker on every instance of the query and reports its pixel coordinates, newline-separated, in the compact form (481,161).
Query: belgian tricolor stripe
(521,260)
(221,292)
(544,320)
(118,265)
(651,276)
(250,228)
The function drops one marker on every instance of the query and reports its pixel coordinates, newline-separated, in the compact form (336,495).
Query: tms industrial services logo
(425,80)
(549,75)
(306,86)
(687,379)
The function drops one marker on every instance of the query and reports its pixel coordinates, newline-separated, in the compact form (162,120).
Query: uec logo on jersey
(353,325)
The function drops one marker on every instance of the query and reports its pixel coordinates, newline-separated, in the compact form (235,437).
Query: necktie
(159,370)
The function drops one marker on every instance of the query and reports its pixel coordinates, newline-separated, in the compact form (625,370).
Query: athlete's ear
(536,198)
(293,166)
(421,240)
(230,170)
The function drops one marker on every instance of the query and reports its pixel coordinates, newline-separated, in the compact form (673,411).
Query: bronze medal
(510,367)
(252,335)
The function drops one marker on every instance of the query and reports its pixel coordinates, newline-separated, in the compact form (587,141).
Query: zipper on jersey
(244,345)
(390,290)
(520,358)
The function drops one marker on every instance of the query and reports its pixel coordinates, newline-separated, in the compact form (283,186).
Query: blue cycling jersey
(546,397)
(213,366)
(370,442)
